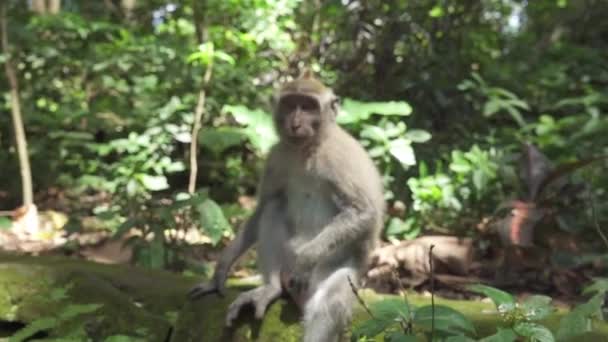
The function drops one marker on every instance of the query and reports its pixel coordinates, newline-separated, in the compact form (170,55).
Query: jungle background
(133,133)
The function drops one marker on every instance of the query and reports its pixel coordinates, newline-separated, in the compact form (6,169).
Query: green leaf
(446,319)
(491,107)
(503,335)
(386,312)
(5,223)
(497,296)
(41,324)
(398,336)
(355,111)
(222,56)
(578,321)
(390,309)
(599,285)
(220,139)
(259,126)
(212,220)
(402,229)
(436,12)
(537,307)
(154,183)
(459,338)
(533,331)
(403,152)
(417,135)
(374,133)
(573,324)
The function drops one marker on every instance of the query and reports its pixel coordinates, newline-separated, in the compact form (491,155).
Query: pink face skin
(298,117)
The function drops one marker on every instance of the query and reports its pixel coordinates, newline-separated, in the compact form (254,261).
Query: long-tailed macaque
(319,213)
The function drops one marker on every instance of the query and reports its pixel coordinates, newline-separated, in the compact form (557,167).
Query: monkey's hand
(295,278)
(216,285)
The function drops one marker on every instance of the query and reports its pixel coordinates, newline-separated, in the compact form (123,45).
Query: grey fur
(320,211)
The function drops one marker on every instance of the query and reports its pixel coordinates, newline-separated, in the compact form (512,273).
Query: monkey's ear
(335,105)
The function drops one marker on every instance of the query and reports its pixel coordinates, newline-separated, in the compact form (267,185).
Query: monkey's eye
(308,104)
(287,105)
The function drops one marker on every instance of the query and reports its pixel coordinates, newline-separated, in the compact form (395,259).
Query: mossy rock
(151,305)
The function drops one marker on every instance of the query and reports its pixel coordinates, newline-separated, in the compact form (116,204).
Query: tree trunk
(45,6)
(54,6)
(128,6)
(38,6)
(11,75)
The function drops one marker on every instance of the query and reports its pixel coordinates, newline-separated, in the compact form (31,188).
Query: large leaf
(534,332)
(417,135)
(212,219)
(599,285)
(445,319)
(386,312)
(403,152)
(578,321)
(219,139)
(497,296)
(355,111)
(259,126)
(154,183)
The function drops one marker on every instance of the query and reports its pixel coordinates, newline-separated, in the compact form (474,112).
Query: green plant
(397,320)
(382,132)
(67,324)
(521,319)
(442,199)
(161,224)
(496,99)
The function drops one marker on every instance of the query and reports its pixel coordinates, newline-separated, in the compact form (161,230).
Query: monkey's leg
(328,310)
(272,244)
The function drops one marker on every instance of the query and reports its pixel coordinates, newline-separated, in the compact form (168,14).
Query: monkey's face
(298,117)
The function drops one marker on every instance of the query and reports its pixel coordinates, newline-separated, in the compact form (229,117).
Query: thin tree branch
(21,141)
(201,37)
(432,291)
(361,301)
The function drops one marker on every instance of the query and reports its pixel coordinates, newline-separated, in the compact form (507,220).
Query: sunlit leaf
(212,220)
(436,12)
(403,152)
(417,136)
(154,183)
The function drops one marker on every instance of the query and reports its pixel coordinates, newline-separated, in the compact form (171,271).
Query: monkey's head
(305,107)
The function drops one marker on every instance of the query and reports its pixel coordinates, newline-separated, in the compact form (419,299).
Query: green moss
(139,301)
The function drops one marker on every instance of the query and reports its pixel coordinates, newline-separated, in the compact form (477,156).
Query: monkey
(320,209)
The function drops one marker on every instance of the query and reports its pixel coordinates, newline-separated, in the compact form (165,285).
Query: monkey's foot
(259,297)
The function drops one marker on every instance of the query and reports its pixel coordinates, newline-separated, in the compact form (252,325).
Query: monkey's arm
(355,221)
(246,237)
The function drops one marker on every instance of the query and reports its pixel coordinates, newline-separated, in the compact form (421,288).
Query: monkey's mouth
(300,134)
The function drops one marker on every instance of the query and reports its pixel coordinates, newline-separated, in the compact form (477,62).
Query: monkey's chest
(309,208)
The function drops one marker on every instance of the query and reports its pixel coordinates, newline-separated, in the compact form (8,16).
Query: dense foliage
(108,96)
(471,109)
